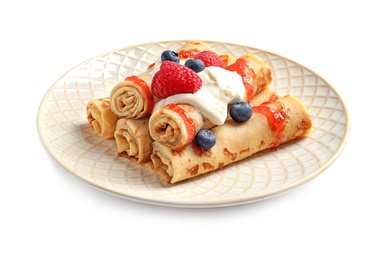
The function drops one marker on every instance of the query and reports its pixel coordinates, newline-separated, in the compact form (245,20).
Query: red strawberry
(210,58)
(174,78)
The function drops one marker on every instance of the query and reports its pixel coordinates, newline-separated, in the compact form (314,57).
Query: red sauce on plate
(151,66)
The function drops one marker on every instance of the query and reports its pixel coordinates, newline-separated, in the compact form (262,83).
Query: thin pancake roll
(272,124)
(175,125)
(133,140)
(132,98)
(101,118)
(255,73)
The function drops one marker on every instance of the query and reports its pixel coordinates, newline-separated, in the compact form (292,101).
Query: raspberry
(174,78)
(210,58)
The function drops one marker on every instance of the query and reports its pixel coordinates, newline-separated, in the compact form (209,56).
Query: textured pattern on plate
(65,132)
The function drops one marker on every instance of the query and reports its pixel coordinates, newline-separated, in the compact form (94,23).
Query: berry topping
(210,58)
(241,111)
(195,64)
(174,78)
(170,55)
(205,139)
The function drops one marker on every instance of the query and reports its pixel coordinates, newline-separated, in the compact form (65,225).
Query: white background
(46,213)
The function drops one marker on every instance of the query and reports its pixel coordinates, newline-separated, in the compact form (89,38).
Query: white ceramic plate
(65,133)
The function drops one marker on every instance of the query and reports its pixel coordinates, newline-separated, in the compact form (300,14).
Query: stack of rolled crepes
(124,115)
(164,139)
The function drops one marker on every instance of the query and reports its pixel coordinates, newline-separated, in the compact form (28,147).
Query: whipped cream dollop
(219,88)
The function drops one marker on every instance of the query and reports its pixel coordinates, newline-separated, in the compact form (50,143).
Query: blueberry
(241,111)
(196,65)
(205,138)
(170,55)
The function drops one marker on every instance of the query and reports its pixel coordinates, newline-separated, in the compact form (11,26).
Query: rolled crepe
(192,48)
(132,98)
(272,123)
(133,139)
(255,73)
(176,125)
(101,118)
(266,94)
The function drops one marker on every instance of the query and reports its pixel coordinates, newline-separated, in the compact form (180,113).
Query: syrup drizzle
(275,118)
(244,69)
(185,54)
(188,121)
